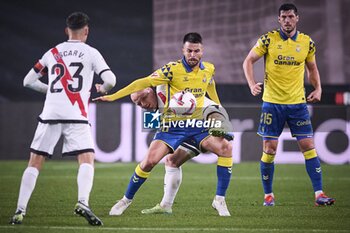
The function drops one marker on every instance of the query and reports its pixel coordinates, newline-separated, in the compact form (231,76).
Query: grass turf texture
(51,206)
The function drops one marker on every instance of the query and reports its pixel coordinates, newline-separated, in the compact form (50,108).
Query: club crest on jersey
(298,48)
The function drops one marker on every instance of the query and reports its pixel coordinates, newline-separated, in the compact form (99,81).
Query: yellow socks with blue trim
(267,169)
(313,168)
(136,180)
(224,171)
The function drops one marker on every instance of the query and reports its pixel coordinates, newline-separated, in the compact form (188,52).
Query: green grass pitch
(51,206)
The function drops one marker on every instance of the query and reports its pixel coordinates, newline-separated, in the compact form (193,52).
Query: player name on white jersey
(71,66)
(71,53)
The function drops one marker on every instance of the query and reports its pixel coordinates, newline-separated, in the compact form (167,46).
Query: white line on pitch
(171,229)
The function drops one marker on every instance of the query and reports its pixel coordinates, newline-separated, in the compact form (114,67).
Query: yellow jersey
(285,65)
(178,76)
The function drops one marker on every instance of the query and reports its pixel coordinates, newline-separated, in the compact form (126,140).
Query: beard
(288,29)
(192,62)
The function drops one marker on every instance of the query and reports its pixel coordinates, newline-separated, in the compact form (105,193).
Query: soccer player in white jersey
(148,99)
(70,66)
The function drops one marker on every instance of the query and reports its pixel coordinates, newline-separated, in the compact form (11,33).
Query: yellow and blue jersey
(179,76)
(285,65)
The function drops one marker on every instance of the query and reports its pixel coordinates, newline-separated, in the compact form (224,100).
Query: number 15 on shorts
(266,118)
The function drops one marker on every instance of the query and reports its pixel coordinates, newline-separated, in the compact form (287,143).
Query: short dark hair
(193,37)
(77,20)
(288,7)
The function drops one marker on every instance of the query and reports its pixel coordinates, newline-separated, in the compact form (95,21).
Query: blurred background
(137,37)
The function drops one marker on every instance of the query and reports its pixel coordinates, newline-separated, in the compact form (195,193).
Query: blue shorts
(176,136)
(274,116)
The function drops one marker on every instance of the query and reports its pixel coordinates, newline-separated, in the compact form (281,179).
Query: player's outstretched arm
(136,97)
(135,86)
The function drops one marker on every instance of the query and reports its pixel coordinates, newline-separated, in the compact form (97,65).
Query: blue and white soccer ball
(183,103)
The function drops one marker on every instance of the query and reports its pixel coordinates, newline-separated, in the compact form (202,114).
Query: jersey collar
(188,67)
(285,37)
(74,41)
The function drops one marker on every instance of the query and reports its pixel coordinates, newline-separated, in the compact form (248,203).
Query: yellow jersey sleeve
(161,76)
(312,50)
(261,45)
(284,59)
(155,79)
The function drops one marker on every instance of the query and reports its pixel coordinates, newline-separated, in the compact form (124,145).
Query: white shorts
(77,139)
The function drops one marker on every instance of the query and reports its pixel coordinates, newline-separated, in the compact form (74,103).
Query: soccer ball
(183,103)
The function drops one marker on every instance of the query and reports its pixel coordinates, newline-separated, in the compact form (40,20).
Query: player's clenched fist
(256,89)
(314,96)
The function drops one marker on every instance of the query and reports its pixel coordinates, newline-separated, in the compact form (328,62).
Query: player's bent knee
(170,161)
(268,149)
(270,146)
(225,149)
(221,148)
